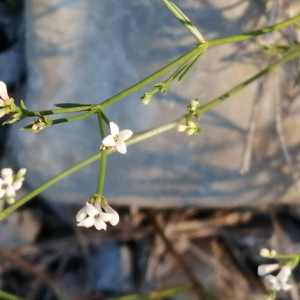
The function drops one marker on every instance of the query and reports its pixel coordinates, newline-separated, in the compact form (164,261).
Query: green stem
(101,173)
(100,123)
(149,133)
(252,34)
(64,120)
(101,176)
(58,111)
(165,69)
(105,118)
(8,296)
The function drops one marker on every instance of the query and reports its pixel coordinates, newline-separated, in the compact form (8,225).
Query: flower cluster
(278,282)
(117,138)
(190,128)
(10,183)
(93,215)
(40,124)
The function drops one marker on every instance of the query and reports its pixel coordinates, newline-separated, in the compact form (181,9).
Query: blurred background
(195,210)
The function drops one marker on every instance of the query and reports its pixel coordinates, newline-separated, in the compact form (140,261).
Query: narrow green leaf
(182,67)
(48,121)
(184,20)
(189,67)
(70,105)
(23,105)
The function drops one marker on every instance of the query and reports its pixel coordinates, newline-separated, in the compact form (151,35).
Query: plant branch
(149,133)
(252,34)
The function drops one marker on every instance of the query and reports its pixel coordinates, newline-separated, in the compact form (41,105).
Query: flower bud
(146,98)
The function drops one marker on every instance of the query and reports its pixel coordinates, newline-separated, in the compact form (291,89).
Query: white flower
(91,215)
(3,93)
(278,282)
(9,186)
(117,138)
(115,216)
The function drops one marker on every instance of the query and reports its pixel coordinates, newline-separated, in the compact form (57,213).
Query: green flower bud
(194,105)
(146,98)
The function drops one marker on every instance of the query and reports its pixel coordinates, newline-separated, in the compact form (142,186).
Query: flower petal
(10,191)
(266,269)
(88,222)
(8,180)
(115,216)
(284,273)
(271,278)
(6,172)
(1,103)
(103,215)
(81,215)
(109,141)
(121,147)
(100,224)
(114,129)
(91,210)
(3,91)
(125,134)
(17,185)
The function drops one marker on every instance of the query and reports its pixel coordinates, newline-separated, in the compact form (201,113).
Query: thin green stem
(100,123)
(105,118)
(252,34)
(283,256)
(149,133)
(101,173)
(101,176)
(165,69)
(8,296)
(58,111)
(64,120)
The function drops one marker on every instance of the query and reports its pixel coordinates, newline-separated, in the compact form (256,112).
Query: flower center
(4,186)
(116,138)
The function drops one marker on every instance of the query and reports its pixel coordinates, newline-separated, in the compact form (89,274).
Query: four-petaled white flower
(117,138)
(278,282)
(9,186)
(91,215)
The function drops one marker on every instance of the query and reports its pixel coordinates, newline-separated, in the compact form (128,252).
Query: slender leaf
(70,105)
(189,67)
(184,20)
